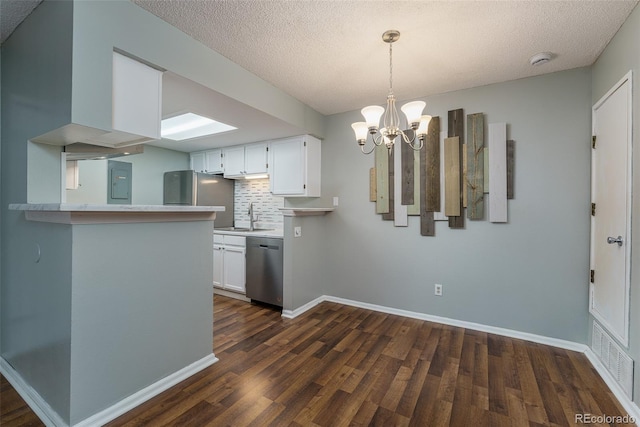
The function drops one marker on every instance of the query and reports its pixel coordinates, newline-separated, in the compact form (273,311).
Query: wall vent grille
(617,362)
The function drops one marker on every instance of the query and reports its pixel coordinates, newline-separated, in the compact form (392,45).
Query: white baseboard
(38,405)
(51,419)
(230,294)
(290,314)
(568,345)
(147,393)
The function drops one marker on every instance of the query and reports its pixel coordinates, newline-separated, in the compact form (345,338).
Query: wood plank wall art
(456,128)
(450,178)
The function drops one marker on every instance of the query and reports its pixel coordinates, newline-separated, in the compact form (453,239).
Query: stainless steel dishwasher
(264,269)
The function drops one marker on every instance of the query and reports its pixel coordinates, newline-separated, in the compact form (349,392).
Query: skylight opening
(190,125)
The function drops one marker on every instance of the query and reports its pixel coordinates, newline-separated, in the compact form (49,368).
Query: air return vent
(617,362)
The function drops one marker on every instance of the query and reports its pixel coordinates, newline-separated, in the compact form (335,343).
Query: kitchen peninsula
(133,307)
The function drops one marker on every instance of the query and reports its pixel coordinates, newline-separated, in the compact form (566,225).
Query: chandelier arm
(406,138)
(412,141)
(419,147)
(379,140)
(367,152)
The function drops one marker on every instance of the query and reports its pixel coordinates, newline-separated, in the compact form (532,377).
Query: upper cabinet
(243,160)
(295,166)
(136,110)
(207,161)
(137,97)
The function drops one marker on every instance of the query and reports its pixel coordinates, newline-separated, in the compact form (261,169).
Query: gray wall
(529,274)
(36,297)
(0,190)
(148,170)
(132,327)
(620,56)
(306,279)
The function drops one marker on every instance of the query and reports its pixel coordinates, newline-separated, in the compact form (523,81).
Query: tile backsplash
(265,204)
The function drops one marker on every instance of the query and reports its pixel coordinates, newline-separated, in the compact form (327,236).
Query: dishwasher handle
(263,246)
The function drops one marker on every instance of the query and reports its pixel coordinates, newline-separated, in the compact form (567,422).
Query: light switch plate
(335,201)
(297,231)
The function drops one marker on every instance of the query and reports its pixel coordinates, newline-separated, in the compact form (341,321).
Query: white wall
(620,56)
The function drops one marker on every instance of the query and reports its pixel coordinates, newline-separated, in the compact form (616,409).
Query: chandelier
(387,135)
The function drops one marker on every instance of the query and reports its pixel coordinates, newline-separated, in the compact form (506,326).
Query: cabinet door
(198,162)
(218,262)
(137,97)
(213,161)
(234,161)
(255,158)
(234,269)
(287,167)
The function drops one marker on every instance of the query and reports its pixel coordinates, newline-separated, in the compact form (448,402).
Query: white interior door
(610,225)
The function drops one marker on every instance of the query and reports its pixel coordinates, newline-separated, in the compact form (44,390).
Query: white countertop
(277,233)
(68,213)
(70,207)
(306,211)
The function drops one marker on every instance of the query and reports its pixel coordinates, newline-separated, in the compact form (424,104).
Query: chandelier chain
(390,67)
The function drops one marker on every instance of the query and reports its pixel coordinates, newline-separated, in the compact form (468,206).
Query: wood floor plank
(343,366)
(497,396)
(409,398)
(461,402)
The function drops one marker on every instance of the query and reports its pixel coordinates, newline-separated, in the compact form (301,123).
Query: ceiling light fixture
(418,123)
(190,125)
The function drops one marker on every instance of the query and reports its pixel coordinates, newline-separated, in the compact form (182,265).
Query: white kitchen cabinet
(137,97)
(218,265)
(234,269)
(213,161)
(229,262)
(197,162)
(243,160)
(294,166)
(207,161)
(256,158)
(136,110)
(233,161)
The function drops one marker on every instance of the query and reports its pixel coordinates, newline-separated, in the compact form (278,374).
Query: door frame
(624,338)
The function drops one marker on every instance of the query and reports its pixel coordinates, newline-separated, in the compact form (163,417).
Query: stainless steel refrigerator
(189,188)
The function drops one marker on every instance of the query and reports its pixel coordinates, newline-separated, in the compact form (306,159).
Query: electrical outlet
(297,231)
(438,290)
(335,201)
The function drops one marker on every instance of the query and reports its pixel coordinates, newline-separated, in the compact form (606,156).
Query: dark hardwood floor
(338,365)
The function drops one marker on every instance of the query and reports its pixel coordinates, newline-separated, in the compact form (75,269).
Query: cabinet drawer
(234,240)
(218,238)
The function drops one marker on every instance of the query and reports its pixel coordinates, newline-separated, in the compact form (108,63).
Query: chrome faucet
(251,216)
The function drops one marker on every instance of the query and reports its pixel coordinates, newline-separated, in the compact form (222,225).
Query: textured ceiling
(12,13)
(329,54)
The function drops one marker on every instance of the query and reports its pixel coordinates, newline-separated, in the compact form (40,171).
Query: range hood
(80,151)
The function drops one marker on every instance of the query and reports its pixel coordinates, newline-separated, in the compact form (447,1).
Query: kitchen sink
(243,229)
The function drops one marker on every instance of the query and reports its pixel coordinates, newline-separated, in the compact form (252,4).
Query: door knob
(612,240)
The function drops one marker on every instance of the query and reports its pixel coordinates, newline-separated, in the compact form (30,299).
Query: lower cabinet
(229,262)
